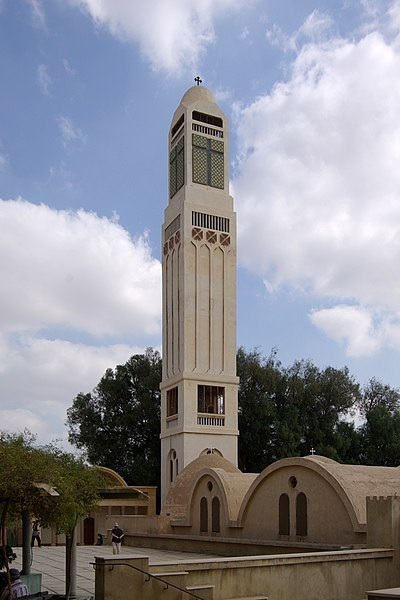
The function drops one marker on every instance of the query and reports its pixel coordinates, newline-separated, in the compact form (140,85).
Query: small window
(284,515)
(172,401)
(211,399)
(203,515)
(177,125)
(215,515)
(173,466)
(301,515)
(209,119)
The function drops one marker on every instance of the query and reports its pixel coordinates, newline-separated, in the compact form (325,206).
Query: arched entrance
(88,531)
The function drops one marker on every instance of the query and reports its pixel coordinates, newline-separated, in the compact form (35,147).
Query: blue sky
(89,87)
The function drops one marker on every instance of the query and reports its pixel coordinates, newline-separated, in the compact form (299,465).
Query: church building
(305,527)
(310,502)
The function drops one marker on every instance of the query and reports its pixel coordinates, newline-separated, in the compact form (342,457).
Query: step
(205,592)
(249,598)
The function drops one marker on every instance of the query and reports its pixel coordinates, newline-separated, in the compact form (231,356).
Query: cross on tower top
(198,80)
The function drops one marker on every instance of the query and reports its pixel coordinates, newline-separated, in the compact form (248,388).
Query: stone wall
(331,576)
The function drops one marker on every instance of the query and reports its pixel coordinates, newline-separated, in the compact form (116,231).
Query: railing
(148,575)
(214,421)
(207,130)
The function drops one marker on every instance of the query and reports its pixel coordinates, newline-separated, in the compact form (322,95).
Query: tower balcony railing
(211,420)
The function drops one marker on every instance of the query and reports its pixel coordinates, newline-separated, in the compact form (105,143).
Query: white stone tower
(199,384)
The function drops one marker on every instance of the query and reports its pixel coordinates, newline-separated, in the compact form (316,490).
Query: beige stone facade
(296,502)
(199,384)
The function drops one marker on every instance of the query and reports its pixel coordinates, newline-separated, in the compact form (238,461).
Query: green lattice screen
(208,161)
(176,167)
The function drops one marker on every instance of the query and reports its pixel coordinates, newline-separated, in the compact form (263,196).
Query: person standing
(117,534)
(36,534)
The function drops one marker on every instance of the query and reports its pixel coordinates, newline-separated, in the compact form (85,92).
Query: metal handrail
(167,583)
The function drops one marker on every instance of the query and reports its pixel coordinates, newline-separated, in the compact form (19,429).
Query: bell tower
(199,382)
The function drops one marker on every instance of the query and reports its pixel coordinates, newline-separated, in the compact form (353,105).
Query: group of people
(19,589)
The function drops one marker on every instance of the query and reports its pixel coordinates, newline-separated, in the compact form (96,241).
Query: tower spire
(199,382)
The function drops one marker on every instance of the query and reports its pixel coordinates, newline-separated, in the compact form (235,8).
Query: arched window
(301,515)
(284,515)
(215,515)
(203,515)
(173,466)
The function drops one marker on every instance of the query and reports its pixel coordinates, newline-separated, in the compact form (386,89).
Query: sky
(311,89)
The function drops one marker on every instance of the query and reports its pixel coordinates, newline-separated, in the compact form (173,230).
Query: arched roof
(230,479)
(113,477)
(352,483)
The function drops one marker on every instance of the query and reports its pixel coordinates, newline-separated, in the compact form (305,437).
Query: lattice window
(208,161)
(176,167)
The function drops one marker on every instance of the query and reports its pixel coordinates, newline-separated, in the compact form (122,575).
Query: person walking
(36,534)
(117,534)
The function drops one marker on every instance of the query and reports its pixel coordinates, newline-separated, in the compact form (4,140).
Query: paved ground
(50,561)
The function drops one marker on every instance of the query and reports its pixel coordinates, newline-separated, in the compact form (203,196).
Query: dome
(196,93)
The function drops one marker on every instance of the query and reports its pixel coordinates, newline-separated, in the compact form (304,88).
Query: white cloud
(37,12)
(314,28)
(67,274)
(44,79)
(41,377)
(318,185)
(352,325)
(75,270)
(67,67)
(171,35)
(69,131)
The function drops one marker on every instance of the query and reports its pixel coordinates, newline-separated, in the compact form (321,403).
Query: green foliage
(118,423)
(283,412)
(288,411)
(7,555)
(377,394)
(27,474)
(381,437)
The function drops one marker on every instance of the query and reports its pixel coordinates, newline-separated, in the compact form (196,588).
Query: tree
(117,425)
(256,392)
(55,487)
(287,411)
(376,393)
(380,437)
